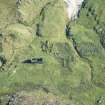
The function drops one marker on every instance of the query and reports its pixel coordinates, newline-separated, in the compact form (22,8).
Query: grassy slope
(64,72)
(89,45)
(85,34)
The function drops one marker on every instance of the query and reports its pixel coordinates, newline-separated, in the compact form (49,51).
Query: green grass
(73,77)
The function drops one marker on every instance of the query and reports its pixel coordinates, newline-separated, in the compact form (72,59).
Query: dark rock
(46,46)
(34,61)
(13,100)
(2,61)
(39,30)
(100,100)
(69,34)
(102,40)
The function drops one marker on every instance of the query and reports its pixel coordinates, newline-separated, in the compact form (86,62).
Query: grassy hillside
(72,70)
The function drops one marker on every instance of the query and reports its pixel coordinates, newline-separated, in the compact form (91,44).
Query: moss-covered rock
(16,37)
(73,69)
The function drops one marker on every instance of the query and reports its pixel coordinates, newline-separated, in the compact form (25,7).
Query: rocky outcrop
(73,8)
